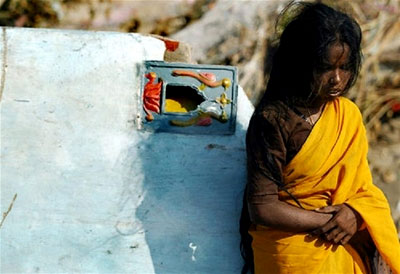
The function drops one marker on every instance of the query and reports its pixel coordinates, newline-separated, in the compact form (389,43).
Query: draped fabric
(331,168)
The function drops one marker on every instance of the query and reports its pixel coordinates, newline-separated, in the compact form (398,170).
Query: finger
(322,230)
(328,226)
(340,237)
(315,232)
(331,235)
(346,239)
(328,209)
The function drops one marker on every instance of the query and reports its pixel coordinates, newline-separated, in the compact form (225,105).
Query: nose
(335,78)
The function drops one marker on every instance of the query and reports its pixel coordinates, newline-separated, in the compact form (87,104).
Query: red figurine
(151,96)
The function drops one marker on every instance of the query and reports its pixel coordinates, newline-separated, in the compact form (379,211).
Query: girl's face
(334,75)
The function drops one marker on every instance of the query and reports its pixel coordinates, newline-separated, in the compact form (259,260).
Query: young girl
(310,205)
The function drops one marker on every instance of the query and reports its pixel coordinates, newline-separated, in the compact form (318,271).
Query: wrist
(359,220)
(325,217)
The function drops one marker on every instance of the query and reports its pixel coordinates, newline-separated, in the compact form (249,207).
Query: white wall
(93,193)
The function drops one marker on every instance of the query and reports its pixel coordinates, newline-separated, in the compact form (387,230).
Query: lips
(334,93)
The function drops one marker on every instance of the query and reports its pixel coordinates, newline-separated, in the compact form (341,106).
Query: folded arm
(267,153)
(274,213)
(336,223)
(267,140)
(342,227)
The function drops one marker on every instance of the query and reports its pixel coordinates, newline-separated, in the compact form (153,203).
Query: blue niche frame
(223,118)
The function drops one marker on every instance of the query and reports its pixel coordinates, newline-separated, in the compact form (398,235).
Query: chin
(332,94)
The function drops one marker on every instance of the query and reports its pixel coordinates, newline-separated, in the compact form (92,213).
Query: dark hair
(301,54)
(303,47)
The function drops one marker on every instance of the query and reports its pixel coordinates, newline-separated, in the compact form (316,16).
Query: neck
(311,107)
(311,112)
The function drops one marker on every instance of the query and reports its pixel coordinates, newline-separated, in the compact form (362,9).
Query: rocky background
(242,34)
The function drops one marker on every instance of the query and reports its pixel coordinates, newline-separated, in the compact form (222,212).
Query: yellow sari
(331,168)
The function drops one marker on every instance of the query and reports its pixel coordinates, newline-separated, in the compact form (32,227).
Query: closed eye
(345,67)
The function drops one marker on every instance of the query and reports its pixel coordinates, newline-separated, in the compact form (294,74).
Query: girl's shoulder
(278,117)
(281,114)
(274,111)
(280,127)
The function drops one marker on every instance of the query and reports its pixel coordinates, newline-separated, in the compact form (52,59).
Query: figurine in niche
(214,110)
(151,96)
(206,78)
(182,99)
(208,111)
(202,119)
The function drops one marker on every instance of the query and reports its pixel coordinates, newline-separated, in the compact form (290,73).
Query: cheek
(346,77)
(323,79)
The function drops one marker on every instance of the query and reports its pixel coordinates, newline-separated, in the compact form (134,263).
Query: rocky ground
(242,34)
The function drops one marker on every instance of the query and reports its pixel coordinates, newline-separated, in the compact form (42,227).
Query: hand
(344,224)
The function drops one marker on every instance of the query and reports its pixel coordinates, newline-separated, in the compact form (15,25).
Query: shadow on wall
(193,187)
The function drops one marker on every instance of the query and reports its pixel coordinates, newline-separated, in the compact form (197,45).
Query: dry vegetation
(377,91)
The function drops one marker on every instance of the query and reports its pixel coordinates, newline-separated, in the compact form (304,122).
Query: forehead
(338,53)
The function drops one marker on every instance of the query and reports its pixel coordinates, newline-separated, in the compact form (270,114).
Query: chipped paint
(193,247)
(3,61)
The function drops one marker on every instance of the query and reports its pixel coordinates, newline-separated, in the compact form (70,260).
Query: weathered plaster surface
(94,194)
(3,49)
